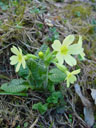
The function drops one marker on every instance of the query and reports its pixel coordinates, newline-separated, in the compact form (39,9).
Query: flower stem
(46,82)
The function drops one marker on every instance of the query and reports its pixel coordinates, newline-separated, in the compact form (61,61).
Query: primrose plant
(44,69)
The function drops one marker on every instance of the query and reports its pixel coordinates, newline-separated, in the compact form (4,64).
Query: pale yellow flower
(71,78)
(66,50)
(18,58)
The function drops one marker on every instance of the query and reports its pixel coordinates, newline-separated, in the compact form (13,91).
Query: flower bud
(41,54)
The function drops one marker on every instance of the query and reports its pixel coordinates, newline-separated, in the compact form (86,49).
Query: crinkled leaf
(23,72)
(54,97)
(42,108)
(55,75)
(38,71)
(51,87)
(15,86)
(53,34)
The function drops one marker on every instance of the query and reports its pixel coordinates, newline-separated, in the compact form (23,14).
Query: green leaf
(80,58)
(26,125)
(77,13)
(40,26)
(16,94)
(42,108)
(23,72)
(54,97)
(35,10)
(48,57)
(17,82)
(3,6)
(36,69)
(93,22)
(1,22)
(38,72)
(51,87)
(56,76)
(53,34)
(15,86)
(43,48)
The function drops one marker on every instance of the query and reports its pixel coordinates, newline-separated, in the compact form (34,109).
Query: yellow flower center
(64,50)
(20,58)
(69,75)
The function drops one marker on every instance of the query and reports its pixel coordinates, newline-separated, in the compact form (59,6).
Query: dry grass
(32,32)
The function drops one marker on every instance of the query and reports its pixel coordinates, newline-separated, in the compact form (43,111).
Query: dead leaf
(89,116)
(88,109)
(93,94)
(48,23)
(84,100)
(57,18)
(14,121)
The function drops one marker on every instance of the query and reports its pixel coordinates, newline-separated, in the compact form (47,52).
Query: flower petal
(18,67)
(13,57)
(80,41)
(82,55)
(70,60)
(60,58)
(56,45)
(72,79)
(23,63)
(20,50)
(75,72)
(75,49)
(68,83)
(14,60)
(68,40)
(14,50)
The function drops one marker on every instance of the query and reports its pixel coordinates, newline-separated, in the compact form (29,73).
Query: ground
(29,25)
